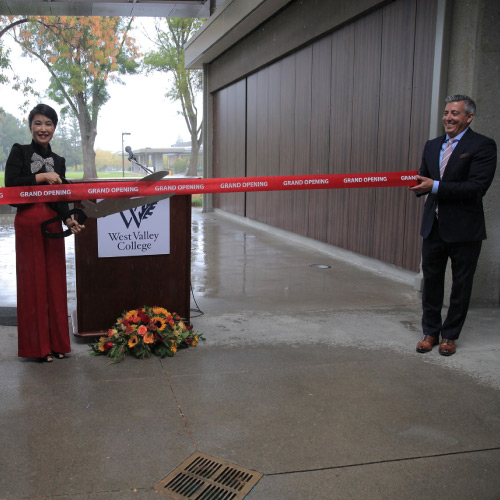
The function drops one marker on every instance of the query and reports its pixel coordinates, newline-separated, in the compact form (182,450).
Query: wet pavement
(308,375)
(8,264)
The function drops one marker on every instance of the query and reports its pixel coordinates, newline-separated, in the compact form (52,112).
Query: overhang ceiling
(126,8)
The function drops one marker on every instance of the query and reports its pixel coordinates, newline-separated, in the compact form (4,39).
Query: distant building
(162,158)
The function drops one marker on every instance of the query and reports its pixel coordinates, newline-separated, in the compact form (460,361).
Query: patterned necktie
(444,161)
(446,156)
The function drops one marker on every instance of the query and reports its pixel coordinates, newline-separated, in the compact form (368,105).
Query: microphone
(131,155)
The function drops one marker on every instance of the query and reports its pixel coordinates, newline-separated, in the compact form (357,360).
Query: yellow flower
(195,340)
(149,338)
(101,342)
(173,349)
(158,319)
(132,341)
(160,310)
(130,314)
(112,332)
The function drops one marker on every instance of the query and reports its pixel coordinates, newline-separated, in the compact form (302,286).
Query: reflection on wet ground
(237,268)
(8,264)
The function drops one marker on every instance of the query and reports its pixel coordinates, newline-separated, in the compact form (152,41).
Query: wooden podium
(106,287)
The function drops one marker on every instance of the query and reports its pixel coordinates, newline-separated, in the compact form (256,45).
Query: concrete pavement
(308,375)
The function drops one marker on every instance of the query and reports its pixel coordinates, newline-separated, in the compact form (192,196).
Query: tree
(169,58)
(82,54)
(106,160)
(7,24)
(4,58)
(67,141)
(11,131)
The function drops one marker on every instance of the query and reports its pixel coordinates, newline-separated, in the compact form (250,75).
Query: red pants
(42,307)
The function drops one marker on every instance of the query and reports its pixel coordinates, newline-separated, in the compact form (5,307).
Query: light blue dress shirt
(435,185)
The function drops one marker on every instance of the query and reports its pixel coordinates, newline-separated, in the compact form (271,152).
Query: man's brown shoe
(427,343)
(447,347)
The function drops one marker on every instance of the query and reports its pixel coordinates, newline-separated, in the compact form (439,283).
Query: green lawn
(79,175)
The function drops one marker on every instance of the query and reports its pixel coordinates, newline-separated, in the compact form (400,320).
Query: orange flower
(142,330)
(149,338)
(173,349)
(133,341)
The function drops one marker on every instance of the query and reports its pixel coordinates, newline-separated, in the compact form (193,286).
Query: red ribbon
(131,189)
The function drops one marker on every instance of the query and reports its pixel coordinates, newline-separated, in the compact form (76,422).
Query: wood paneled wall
(356,100)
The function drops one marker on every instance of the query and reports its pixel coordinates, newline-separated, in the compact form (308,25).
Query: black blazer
(468,175)
(18,171)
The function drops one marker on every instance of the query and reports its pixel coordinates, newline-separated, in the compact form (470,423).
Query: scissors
(107,206)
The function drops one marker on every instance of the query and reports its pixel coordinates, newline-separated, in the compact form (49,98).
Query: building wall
(354,100)
(474,69)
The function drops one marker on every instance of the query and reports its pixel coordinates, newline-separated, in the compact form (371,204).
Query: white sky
(139,107)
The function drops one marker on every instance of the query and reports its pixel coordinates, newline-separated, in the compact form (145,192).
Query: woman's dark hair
(45,110)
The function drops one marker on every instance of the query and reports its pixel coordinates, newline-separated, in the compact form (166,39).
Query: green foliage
(11,131)
(67,142)
(82,54)
(169,58)
(180,165)
(106,160)
(4,63)
(196,200)
(186,84)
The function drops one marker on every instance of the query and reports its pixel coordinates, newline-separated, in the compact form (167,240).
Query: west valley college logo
(138,214)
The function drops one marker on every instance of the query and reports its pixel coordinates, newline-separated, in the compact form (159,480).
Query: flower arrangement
(145,331)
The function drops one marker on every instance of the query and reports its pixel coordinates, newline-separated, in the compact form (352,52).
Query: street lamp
(123,154)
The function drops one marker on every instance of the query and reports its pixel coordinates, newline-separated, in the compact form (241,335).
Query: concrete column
(157,161)
(208,123)
(474,69)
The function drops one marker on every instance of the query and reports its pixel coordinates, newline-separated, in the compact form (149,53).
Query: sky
(138,107)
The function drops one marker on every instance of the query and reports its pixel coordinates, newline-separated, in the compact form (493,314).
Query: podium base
(89,335)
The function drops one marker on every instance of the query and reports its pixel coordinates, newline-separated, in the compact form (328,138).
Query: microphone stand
(132,159)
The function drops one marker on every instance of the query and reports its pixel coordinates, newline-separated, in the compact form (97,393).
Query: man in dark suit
(456,171)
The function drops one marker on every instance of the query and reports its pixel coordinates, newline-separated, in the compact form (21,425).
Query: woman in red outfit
(42,309)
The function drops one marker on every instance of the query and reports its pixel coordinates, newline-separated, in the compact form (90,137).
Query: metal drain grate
(202,477)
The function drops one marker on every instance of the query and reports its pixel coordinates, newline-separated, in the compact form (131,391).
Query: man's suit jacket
(467,177)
